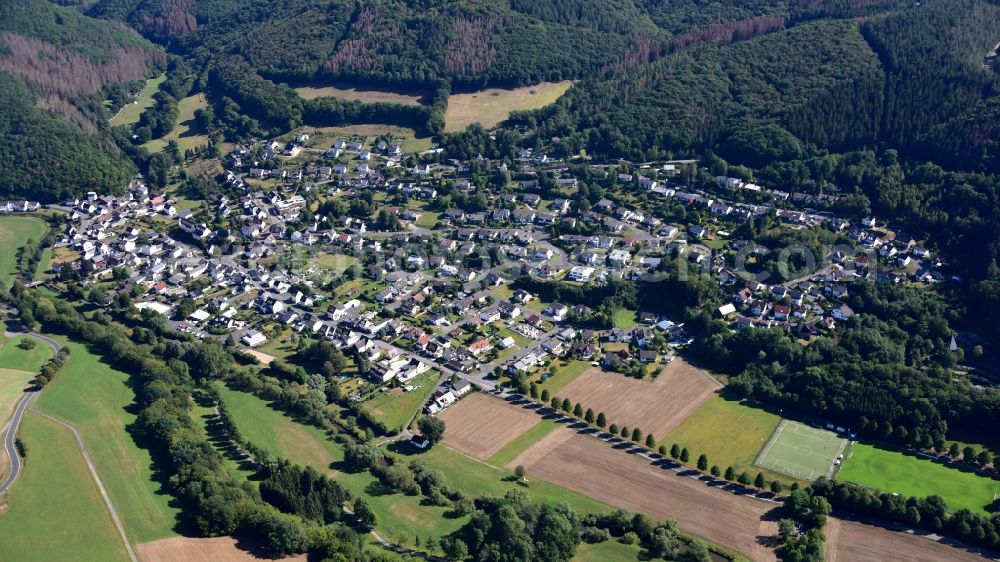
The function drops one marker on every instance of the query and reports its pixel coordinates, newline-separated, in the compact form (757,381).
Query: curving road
(9,439)
(15,421)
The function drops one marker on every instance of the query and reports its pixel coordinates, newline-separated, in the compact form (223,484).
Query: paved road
(8,443)
(15,422)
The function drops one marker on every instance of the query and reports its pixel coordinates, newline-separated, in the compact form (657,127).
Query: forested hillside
(57,68)
(910,79)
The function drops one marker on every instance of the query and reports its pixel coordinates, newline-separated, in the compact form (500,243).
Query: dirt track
(597,470)
(656,407)
(851,541)
(480,425)
(185,549)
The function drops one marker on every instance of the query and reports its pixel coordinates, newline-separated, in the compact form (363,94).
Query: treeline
(930,513)
(50,368)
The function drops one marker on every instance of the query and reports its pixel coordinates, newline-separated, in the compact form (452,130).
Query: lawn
(131,112)
(337,263)
(567,372)
(99,402)
(13,357)
(608,551)
(428,219)
(186,131)
(730,433)
(511,450)
(15,232)
(892,471)
(54,512)
(491,106)
(396,407)
(625,318)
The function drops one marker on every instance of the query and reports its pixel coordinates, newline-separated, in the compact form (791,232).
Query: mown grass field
(15,231)
(98,401)
(730,433)
(13,357)
(411,141)
(396,408)
(892,471)
(359,94)
(567,372)
(186,131)
(55,512)
(511,450)
(608,551)
(491,106)
(131,112)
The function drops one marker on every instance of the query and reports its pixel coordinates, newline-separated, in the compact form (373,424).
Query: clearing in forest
(491,106)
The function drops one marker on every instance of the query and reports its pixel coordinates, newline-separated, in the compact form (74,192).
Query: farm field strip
(851,541)
(215,549)
(15,231)
(657,407)
(480,425)
(96,399)
(594,469)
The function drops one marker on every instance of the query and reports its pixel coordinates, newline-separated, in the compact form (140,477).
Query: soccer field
(801,451)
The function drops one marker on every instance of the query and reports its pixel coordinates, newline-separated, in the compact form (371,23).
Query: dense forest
(894,80)
(57,67)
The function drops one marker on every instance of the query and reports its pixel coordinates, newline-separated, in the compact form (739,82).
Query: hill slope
(56,66)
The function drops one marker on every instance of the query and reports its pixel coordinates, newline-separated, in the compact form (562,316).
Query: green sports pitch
(801,451)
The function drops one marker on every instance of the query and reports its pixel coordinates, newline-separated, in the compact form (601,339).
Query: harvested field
(217,549)
(595,469)
(480,425)
(851,541)
(656,407)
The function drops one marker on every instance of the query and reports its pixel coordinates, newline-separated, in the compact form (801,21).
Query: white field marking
(770,444)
